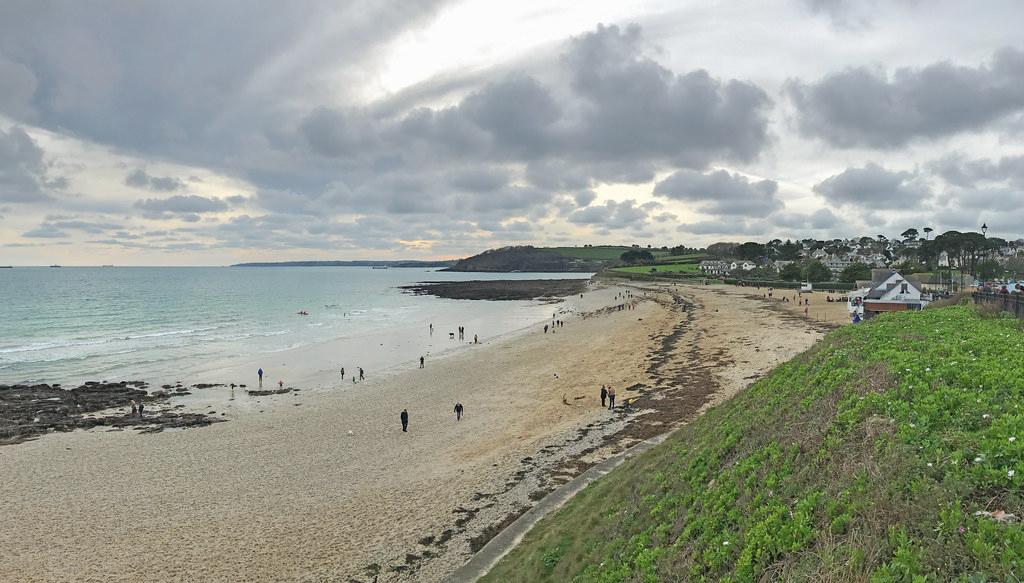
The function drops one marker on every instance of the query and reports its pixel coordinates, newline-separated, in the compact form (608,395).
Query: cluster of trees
(816,271)
(637,257)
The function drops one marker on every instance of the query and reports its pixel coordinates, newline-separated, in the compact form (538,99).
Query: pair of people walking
(608,394)
(404,416)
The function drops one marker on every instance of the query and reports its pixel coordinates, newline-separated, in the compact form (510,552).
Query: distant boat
(55,266)
(6,267)
(106,266)
(379,267)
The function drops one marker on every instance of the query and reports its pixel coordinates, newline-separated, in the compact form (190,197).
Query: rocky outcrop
(526,258)
(27,411)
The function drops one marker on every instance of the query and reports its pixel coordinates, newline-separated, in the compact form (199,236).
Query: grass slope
(863,459)
(600,252)
(666,268)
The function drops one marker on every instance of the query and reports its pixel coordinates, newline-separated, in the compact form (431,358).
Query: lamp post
(984,229)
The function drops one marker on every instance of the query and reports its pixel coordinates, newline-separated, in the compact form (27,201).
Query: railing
(1012,303)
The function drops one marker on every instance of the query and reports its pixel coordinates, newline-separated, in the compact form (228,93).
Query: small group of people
(404,416)
(362,376)
(608,394)
(137,408)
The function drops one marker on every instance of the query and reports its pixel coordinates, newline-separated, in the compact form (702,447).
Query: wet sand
(283,491)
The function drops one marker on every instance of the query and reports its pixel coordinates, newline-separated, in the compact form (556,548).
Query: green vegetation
(599,252)
(791,272)
(864,459)
(686,258)
(637,256)
(660,268)
(854,272)
(816,271)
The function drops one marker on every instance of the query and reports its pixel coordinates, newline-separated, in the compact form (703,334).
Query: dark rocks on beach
(270,392)
(521,289)
(27,411)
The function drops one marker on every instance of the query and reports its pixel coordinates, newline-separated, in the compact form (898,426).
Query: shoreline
(320,503)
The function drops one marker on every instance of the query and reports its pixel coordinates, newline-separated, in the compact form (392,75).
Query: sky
(208,133)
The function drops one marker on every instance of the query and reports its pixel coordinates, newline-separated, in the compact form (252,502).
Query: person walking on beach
(604,395)
(611,398)
(260,373)
(342,373)
(280,384)
(458,411)
(421,362)
(361,376)
(431,329)
(142,408)
(135,408)
(545,328)
(476,339)
(405,420)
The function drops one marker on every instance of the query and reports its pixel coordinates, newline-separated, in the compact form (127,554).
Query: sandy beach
(323,485)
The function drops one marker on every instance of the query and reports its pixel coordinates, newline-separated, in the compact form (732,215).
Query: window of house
(904,288)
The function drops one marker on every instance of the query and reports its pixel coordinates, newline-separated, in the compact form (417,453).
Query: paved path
(499,546)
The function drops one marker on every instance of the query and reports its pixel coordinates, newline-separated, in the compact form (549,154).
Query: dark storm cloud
(139,178)
(959,171)
(188,78)
(584,197)
(819,219)
(17,86)
(634,108)
(479,179)
(868,107)
(186,207)
(721,193)
(23,169)
(195,83)
(45,232)
(874,187)
(612,215)
(723,227)
(619,116)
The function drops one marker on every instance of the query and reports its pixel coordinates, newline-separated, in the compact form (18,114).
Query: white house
(714,267)
(744,265)
(889,292)
(819,254)
(837,263)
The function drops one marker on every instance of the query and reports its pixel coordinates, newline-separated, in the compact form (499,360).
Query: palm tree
(927,231)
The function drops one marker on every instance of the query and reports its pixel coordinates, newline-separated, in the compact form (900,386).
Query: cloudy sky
(197,132)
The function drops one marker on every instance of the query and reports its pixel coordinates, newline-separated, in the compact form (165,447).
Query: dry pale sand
(287,494)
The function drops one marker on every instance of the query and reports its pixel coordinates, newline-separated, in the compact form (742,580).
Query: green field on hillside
(874,456)
(660,268)
(691,258)
(603,253)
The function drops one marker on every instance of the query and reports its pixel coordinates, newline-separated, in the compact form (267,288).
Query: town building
(888,291)
(714,267)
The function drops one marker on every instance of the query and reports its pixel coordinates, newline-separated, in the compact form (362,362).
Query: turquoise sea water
(74,324)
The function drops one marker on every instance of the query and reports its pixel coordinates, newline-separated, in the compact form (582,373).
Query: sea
(194,324)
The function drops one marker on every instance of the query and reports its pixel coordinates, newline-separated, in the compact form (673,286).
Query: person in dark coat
(405,420)
(604,395)
(458,411)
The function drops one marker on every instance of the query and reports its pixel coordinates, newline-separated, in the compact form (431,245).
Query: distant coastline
(357,263)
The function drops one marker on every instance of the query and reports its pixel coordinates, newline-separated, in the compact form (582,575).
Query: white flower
(929,464)
(1010,473)
(977,460)
(725,543)
(1013,439)
(985,416)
